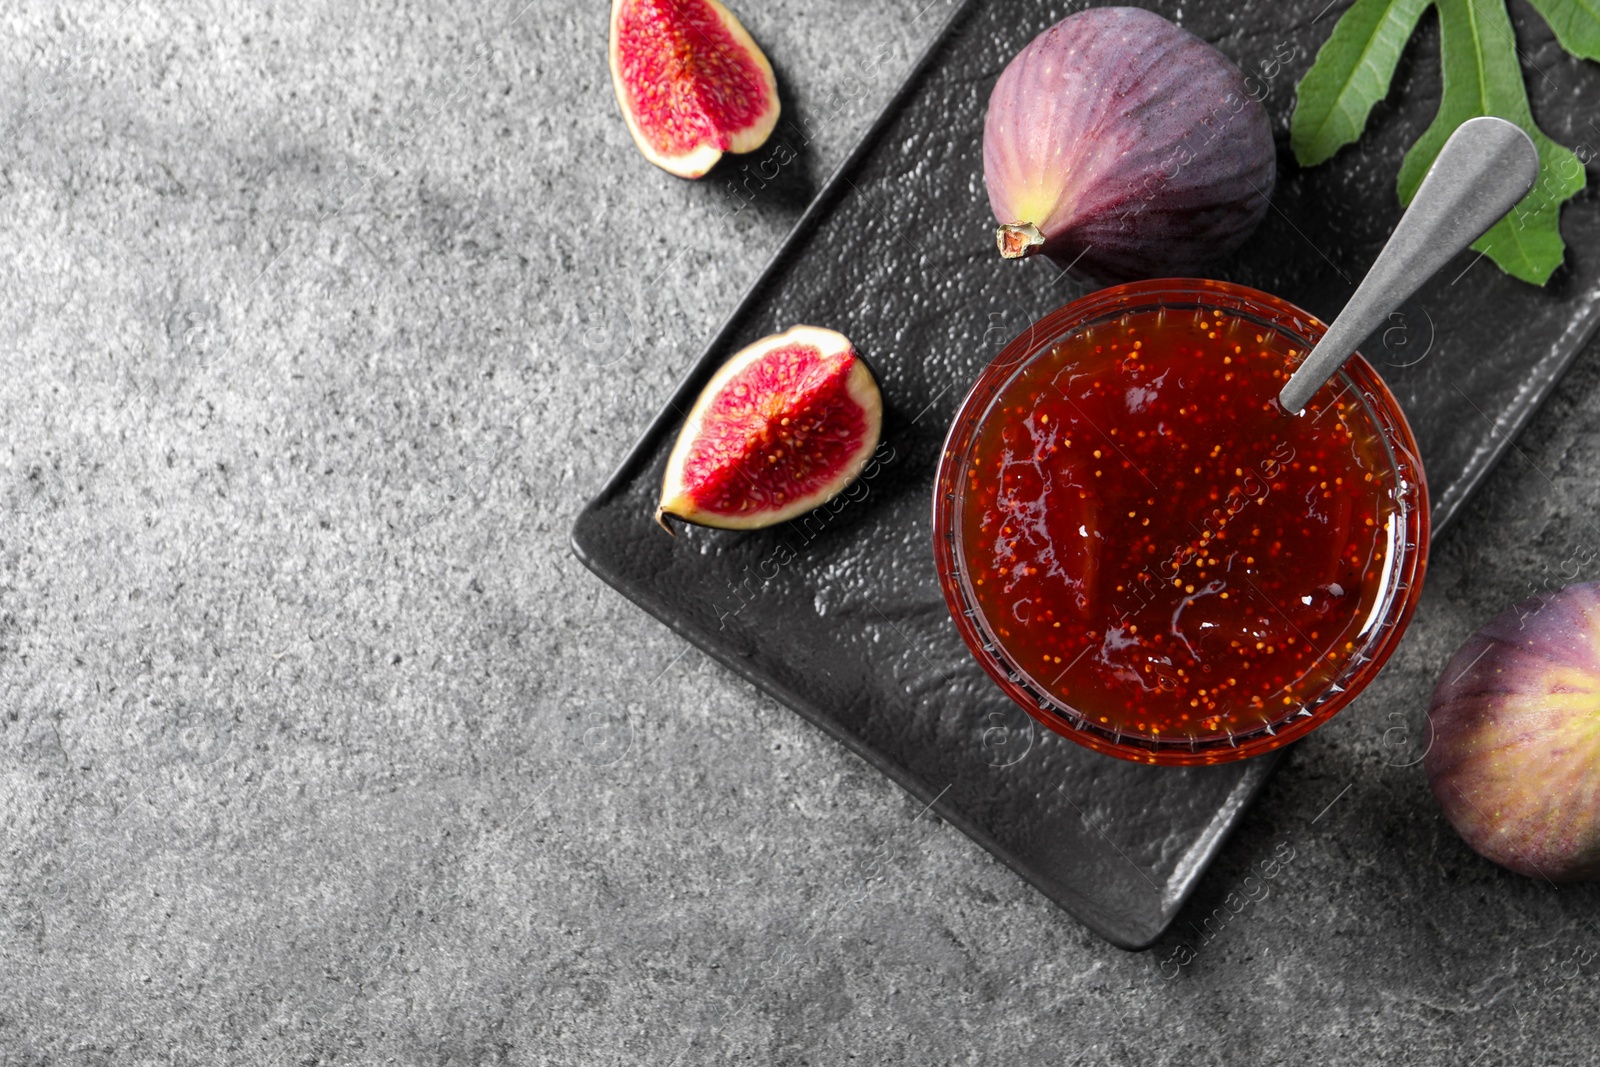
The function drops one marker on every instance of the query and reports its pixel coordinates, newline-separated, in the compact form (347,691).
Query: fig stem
(1018,240)
(661,520)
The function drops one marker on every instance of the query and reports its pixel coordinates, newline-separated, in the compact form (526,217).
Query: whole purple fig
(1515,756)
(1124,147)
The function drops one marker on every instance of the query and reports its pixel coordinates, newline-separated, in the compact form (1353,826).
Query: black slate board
(843,620)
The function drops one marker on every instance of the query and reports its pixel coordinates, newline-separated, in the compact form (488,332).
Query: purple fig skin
(1134,147)
(1515,756)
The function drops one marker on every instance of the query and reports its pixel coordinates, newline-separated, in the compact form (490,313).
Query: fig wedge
(781,428)
(691,82)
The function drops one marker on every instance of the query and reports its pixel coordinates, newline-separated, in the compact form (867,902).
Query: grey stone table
(321,322)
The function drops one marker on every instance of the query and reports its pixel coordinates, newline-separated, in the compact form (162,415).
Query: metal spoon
(1485,167)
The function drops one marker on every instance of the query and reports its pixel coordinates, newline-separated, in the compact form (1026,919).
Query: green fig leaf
(1351,74)
(1482,76)
(1576,24)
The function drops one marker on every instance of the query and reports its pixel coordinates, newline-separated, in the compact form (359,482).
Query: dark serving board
(843,620)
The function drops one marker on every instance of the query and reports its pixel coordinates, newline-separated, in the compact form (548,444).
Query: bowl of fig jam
(1148,554)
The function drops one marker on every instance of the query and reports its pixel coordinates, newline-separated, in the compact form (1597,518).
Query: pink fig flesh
(1515,754)
(691,82)
(782,428)
(1124,147)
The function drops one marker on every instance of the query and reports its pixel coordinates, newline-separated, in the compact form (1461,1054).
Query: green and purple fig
(1124,147)
(1515,756)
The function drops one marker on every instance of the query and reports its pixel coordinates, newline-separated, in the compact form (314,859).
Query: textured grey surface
(316,745)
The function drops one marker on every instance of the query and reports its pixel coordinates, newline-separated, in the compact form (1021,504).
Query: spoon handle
(1485,167)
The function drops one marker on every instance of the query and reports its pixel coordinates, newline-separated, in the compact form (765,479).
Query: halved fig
(691,82)
(782,428)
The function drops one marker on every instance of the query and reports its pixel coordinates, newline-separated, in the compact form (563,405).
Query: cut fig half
(782,428)
(691,82)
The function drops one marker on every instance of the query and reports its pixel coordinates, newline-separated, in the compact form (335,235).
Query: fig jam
(1160,547)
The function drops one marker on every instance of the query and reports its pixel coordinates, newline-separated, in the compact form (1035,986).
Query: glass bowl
(1365,404)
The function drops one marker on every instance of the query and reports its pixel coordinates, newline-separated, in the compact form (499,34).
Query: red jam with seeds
(1162,553)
